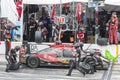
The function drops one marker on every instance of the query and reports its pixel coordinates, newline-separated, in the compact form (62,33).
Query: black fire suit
(75,63)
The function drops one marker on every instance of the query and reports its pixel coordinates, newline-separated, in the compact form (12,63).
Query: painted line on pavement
(107,74)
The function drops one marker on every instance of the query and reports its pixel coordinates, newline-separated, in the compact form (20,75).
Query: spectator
(46,24)
(32,26)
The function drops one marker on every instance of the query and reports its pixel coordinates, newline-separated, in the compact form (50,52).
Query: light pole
(96,22)
(95,4)
(96,19)
(60,23)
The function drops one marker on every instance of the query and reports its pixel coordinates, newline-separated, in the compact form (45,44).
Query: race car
(49,56)
(56,55)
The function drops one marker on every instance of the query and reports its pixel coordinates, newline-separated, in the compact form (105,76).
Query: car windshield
(50,50)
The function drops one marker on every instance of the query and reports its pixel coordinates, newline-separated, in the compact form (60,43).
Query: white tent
(50,1)
(79,0)
(112,5)
(45,1)
(112,2)
(9,11)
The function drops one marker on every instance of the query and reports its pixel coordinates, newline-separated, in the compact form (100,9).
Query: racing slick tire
(89,60)
(87,68)
(102,41)
(33,62)
(38,36)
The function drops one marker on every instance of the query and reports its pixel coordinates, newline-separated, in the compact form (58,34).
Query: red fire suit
(19,8)
(80,36)
(79,12)
(113,30)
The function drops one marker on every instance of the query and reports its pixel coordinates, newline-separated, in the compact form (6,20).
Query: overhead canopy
(112,2)
(79,0)
(110,8)
(112,5)
(8,10)
(44,1)
(50,1)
